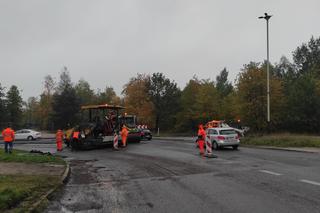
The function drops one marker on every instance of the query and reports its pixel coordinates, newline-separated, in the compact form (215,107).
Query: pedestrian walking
(201,138)
(59,139)
(124,135)
(8,138)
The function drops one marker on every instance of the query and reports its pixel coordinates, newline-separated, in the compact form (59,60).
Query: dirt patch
(30,169)
(83,172)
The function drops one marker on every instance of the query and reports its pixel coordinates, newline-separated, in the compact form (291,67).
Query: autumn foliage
(160,103)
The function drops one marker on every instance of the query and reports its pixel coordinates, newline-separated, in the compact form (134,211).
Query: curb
(63,180)
(65,177)
(280,149)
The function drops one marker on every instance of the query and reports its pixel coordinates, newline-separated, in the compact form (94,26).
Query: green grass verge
(19,192)
(282,140)
(26,157)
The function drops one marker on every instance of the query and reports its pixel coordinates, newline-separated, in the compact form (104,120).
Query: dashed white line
(302,180)
(310,182)
(270,172)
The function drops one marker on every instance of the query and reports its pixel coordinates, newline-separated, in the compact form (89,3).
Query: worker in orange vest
(8,137)
(76,134)
(59,139)
(201,138)
(124,135)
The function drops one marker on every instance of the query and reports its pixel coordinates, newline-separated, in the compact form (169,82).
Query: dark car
(134,136)
(146,134)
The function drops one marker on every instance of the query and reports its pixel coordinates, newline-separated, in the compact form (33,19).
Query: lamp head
(266,16)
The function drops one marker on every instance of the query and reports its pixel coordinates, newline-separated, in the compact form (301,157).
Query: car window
(214,132)
(27,131)
(18,132)
(227,132)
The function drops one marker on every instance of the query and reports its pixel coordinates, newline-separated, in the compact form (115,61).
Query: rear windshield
(227,132)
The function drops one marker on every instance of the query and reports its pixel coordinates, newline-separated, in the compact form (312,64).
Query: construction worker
(124,135)
(59,139)
(8,138)
(201,138)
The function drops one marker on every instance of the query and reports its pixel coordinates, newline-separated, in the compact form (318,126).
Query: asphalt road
(170,176)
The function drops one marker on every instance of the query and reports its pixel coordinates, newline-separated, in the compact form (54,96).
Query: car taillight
(142,133)
(237,137)
(221,137)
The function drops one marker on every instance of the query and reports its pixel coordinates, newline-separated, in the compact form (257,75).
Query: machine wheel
(235,147)
(30,138)
(75,144)
(215,146)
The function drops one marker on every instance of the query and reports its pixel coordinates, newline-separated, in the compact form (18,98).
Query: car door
(24,134)
(214,135)
(19,135)
(27,134)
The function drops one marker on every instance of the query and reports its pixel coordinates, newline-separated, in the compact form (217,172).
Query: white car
(221,137)
(27,134)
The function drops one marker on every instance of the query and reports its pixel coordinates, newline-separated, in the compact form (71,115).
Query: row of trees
(160,103)
(59,104)
(10,105)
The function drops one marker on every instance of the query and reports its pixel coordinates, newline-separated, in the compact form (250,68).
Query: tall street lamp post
(267,17)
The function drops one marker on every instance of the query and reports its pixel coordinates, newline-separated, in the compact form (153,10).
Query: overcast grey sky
(108,41)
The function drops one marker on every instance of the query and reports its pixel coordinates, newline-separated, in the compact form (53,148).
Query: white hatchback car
(221,137)
(27,134)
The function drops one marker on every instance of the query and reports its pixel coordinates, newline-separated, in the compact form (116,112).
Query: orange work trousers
(124,140)
(59,145)
(201,146)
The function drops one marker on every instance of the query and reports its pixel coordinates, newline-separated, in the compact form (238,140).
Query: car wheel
(215,146)
(235,147)
(30,138)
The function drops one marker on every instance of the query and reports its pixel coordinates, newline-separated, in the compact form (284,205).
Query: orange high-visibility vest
(202,133)
(8,135)
(76,135)
(124,132)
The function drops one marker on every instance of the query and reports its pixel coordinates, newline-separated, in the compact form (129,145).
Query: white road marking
(310,182)
(269,172)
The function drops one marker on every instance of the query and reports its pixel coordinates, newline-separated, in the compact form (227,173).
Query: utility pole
(267,17)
